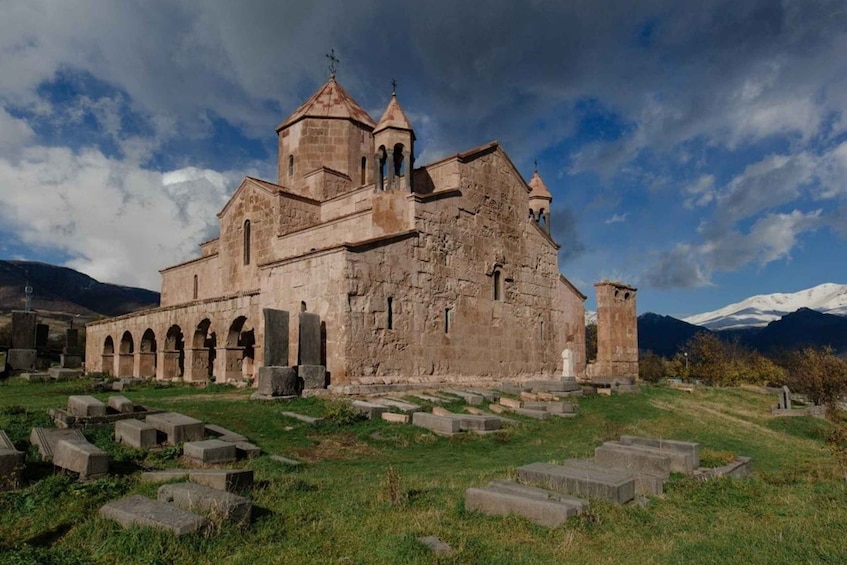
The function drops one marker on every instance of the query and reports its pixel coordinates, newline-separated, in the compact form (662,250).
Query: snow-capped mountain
(590,317)
(758,311)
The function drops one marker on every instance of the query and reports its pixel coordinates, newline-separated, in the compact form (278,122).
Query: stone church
(445,272)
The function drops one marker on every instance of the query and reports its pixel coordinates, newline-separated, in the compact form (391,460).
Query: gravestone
(71,357)
(138,510)
(276,337)
(42,334)
(567,364)
(785,398)
(309,341)
(23,330)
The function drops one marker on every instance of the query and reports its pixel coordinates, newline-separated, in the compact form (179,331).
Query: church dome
(538,188)
(330,101)
(393,117)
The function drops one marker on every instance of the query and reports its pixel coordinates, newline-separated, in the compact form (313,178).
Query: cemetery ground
(368,489)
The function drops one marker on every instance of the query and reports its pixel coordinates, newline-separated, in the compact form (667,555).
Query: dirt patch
(335,447)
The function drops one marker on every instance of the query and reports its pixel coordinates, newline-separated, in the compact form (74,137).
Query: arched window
(448,318)
(290,166)
(390,314)
(364,170)
(498,285)
(246,242)
(302,305)
(398,159)
(195,287)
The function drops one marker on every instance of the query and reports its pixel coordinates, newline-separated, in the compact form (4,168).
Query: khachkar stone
(617,331)
(71,357)
(276,337)
(310,371)
(42,335)
(22,356)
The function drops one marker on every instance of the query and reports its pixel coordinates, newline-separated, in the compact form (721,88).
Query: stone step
(217,505)
(499,500)
(692,448)
(45,439)
(645,483)
(139,510)
(608,484)
(370,409)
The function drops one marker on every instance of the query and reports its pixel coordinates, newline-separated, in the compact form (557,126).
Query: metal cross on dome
(333,61)
(393,87)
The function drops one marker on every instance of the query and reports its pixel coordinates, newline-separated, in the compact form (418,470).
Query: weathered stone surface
(536,414)
(435,545)
(444,425)
(22,359)
(395,418)
(497,499)
(165,476)
(135,433)
(217,505)
(278,381)
(246,449)
(302,417)
(617,331)
(312,376)
(398,404)
(69,361)
(276,337)
(309,349)
(370,409)
(645,484)
(441,411)
(429,398)
(210,451)
(81,457)
(469,397)
(23,329)
(689,447)
(632,458)
(11,463)
(510,402)
(85,406)
(177,427)
(525,490)
(497,408)
(489,395)
(121,404)
(231,480)
(139,510)
(46,439)
(35,377)
(61,374)
(738,469)
(553,385)
(224,434)
(609,484)
(469,422)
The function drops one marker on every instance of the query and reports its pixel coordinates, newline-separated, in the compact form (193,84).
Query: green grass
(369,489)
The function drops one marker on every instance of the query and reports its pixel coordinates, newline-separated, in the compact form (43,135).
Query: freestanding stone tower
(617,331)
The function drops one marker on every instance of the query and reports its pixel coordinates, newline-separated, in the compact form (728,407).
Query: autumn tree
(819,374)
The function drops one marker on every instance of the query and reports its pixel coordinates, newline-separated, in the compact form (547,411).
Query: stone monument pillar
(71,357)
(617,331)
(567,364)
(309,369)
(276,378)
(23,355)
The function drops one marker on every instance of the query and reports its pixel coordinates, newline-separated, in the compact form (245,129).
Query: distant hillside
(802,328)
(60,289)
(664,335)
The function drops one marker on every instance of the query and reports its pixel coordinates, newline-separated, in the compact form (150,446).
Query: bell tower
(394,142)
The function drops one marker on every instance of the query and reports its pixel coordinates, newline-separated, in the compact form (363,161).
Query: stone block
(680,461)
(85,407)
(312,376)
(523,501)
(529,396)
(554,385)
(645,484)
(473,423)
(60,374)
(469,397)
(632,459)
(497,408)
(136,434)
(510,402)
(440,411)
(738,469)
(302,417)
(395,418)
(81,457)
(165,476)
(23,329)
(11,463)
(276,337)
(224,434)
(608,484)
(278,381)
(177,427)
(309,340)
(121,404)
(398,404)
(536,414)
(230,480)
(489,395)
(35,377)
(46,439)
(444,425)
(689,447)
(22,359)
(369,409)
(209,451)
(70,361)
(217,505)
(246,449)
(525,490)
(139,510)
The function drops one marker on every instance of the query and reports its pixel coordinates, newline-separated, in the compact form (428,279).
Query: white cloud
(616,218)
(699,193)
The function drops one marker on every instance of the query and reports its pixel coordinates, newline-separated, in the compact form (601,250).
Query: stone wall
(178,281)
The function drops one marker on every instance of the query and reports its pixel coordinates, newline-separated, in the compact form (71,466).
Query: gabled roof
(330,101)
(538,188)
(394,117)
(266,186)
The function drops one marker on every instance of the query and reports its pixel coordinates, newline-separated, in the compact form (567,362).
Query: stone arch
(204,344)
(147,354)
(240,350)
(108,359)
(173,355)
(398,160)
(126,355)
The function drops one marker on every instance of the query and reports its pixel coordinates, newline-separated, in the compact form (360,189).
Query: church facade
(440,273)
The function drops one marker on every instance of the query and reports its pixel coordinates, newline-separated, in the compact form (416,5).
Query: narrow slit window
(195,287)
(498,285)
(447,316)
(390,314)
(291,165)
(364,170)
(541,331)
(246,242)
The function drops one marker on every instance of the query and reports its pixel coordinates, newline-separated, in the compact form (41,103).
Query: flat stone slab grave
(543,507)
(85,406)
(443,425)
(62,374)
(302,417)
(674,461)
(614,485)
(210,451)
(689,447)
(370,409)
(217,505)
(81,457)
(121,404)
(230,480)
(136,434)
(46,439)
(224,434)
(139,510)
(177,427)
(11,463)
(469,397)
(645,483)
(398,404)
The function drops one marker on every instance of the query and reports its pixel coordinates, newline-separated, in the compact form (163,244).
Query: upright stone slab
(81,457)
(22,359)
(136,434)
(785,398)
(11,463)
(210,451)
(276,337)
(139,510)
(23,329)
(177,427)
(278,381)
(85,406)
(309,340)
(219,506)
(46,439)
(608,484)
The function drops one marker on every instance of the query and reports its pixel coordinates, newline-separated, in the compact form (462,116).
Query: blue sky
(695,150)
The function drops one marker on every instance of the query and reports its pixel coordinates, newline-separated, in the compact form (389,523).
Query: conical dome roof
(393,117)
(330,101)
(538,188)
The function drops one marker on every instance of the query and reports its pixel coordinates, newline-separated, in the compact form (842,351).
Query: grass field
(369,489)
